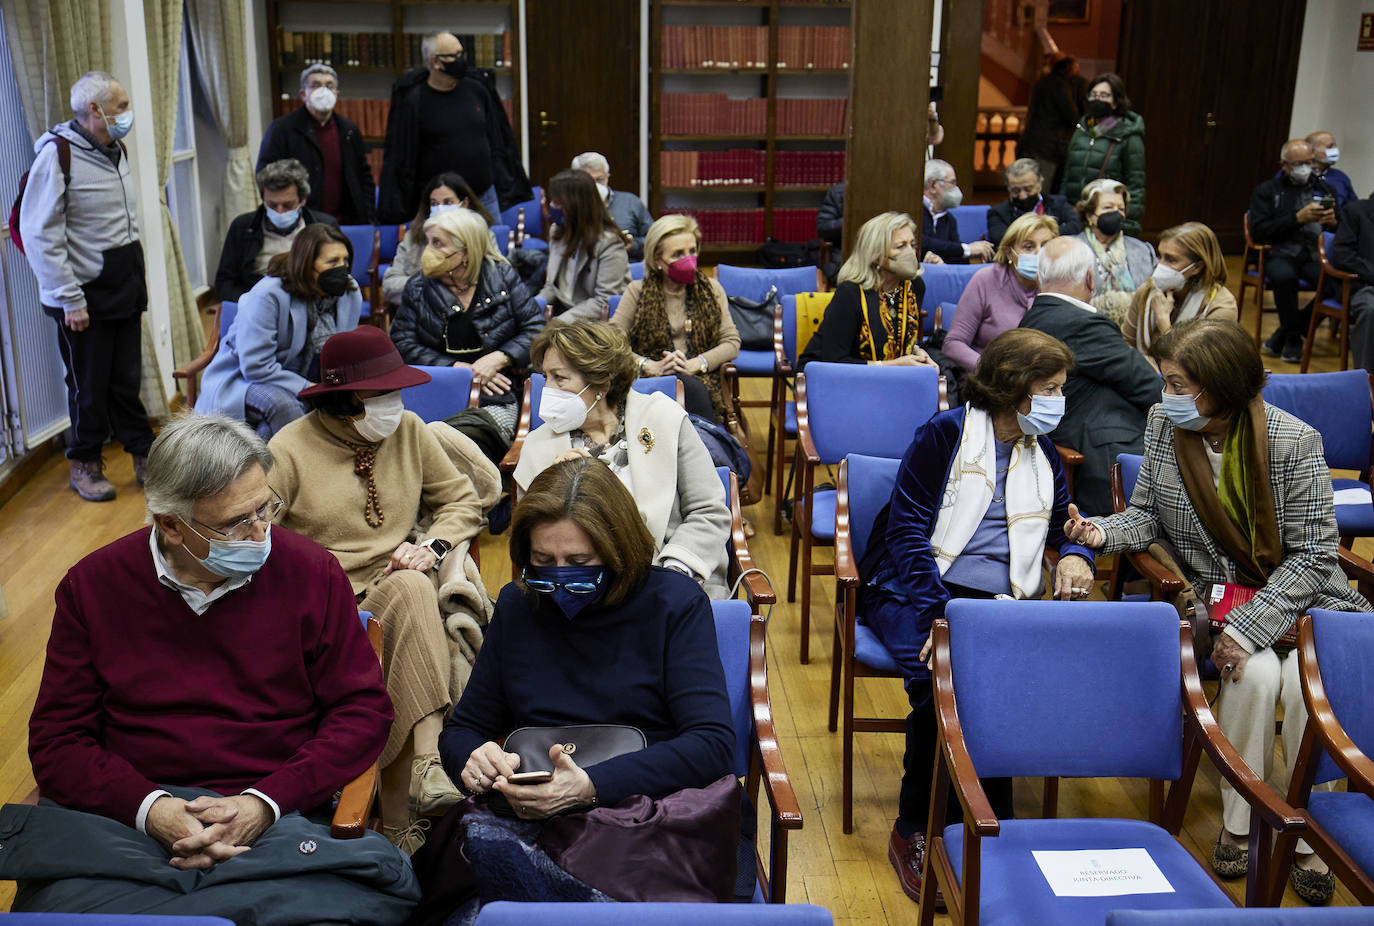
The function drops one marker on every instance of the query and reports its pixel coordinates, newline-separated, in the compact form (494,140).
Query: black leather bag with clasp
(586,744)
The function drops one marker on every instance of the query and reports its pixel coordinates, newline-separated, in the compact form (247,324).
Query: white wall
(1333,86)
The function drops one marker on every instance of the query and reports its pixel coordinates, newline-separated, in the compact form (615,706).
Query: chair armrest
(474,394)
(846,567)
(355,805)
(522,430)
(977,810)
(1361,570)
(1329,268)
(758,591)
(786,810)
(1162,581)
(805,445)
(943,392)
(1357,766)
(1263,799)
(781,365)
(1069,456)
(729,388)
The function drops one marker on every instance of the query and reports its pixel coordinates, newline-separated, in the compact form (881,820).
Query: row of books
(794,224)
(825,116)
(736,167)
(807,168)
(714,47)
(728,226)
(813,46)
(712,114)
(378,49)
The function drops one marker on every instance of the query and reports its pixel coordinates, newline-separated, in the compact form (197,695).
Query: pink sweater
(992,302)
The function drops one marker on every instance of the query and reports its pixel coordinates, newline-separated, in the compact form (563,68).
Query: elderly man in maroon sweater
(219,657)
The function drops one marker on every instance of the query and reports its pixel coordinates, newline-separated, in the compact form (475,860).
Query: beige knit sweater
(313,472)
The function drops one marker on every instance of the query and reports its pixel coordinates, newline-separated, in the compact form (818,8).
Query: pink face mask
(683,270)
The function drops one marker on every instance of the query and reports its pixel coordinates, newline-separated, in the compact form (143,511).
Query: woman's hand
(572,453)
(1082,531)
(932,258)
(485,765)
(675,362)
(926,647)
(1163,306)
(486,372)
(1229,657)
(655,367)
(570,788)
(918,359)
(411,556)
(1073,579)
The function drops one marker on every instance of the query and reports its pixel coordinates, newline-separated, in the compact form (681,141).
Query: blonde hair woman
(468,307)
(874,316)
(677,318)
(1188,282)
(1120,263)
(999,294)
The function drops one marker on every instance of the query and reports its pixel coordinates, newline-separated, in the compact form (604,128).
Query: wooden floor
(45,528)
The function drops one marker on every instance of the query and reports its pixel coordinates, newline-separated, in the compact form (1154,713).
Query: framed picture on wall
(1070,11)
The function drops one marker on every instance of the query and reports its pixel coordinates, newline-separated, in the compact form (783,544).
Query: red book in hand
(1224,596)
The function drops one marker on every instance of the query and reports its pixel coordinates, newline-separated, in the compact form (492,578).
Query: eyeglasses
(547,586)
(1104,97)
(242,529)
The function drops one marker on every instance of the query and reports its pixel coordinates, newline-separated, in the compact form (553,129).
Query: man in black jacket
(1353,251)
(1287,213)
(939,228)
(1024,185)
(448,118)
(1111,387)
(329,146)
(1051,118)
(830,228)
(255,237)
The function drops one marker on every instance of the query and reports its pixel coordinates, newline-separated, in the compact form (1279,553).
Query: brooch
(646,439)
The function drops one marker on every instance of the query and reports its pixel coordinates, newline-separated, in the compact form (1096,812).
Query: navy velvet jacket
(898,563)
(651,662)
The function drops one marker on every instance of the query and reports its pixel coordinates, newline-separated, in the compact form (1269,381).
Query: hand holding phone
(529,778)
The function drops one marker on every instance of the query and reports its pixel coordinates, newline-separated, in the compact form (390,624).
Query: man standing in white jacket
(80,235)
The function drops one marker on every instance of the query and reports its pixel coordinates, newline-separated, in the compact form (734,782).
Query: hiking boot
(908,856)
(140,469)
(431,791)
(88,479)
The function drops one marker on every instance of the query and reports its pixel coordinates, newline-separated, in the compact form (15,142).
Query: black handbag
(754,320)
(586,744)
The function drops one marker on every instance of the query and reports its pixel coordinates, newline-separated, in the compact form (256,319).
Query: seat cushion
(1014,890)
(869,650)
(823,515)
(754,363)
(1353,520)
(789,421)
(1349,818)
(534,244)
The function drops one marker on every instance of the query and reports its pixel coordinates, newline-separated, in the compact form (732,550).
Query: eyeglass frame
(275,503)
(547,586)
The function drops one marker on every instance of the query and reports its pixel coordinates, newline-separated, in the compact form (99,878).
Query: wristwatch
(642,361)
(705,367)
(438,547)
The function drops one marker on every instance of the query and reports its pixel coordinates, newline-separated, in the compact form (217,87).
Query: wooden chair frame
(1164,585)
(954,767)
(758,591)
(783,372)
(766,766)
(1320,310)
(353,815)
(1324,732)
(190,370)
(1253,277)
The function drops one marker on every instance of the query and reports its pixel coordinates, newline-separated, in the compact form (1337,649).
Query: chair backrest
(361,237)
(501,233)
(724,473)
(1244,916)
(446,394)
(228,311)
(973,222)
(855,408)
(507,913)
(1117,714)
(1130,472)
(536,393)
(946,314)
(868,481)
(1344,641)
(388,239)
(754,282)
(668,385)
(946,282)
(1335,404)
(636,269)
(789,329)
(732,639)
(612,303)
(530,211)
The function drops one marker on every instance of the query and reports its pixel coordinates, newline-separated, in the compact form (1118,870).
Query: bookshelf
(373,42)
(748,115)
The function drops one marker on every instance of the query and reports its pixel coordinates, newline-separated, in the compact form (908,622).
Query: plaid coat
(1309,575)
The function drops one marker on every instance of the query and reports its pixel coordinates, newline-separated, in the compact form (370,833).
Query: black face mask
(457,68)
(1099,109)
(1109,223)
(1024,203)
(334,281)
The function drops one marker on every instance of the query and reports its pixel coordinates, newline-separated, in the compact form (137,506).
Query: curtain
(220,43)
(164,29)
(53,43)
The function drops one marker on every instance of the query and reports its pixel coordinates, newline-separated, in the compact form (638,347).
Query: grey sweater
(69,229)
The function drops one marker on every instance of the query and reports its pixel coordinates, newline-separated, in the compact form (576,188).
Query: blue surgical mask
(1182,411)
(236,559)
(122,125)
(442,208)
(1045,412)
(555,215)
(283,220)
(1028,265)
(573,588)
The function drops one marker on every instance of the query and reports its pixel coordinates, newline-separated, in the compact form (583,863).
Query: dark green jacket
(1116,154)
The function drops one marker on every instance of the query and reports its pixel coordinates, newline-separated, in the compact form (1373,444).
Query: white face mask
(1167,279)
(604,191)
(1301,174)
(322,99)
(1333,154)
(381,417)
(563,410)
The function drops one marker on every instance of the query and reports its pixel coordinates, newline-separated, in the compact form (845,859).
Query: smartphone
(530,778)
(1326,202)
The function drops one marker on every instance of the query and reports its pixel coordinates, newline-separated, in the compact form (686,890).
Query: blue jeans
(491,202)
(268,408)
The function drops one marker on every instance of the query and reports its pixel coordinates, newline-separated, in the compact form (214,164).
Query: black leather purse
(586,744)
(754,320)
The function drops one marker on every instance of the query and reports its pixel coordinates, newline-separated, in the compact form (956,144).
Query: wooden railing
(994,143)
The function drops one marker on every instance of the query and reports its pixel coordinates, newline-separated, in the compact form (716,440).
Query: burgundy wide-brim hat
(362,359)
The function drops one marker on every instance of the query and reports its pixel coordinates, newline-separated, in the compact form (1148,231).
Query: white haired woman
(1122,264)
(874,316)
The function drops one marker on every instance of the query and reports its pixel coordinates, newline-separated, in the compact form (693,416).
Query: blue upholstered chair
(1337,405)
(758,589)
(636,270)
(505,913)
(1133,706)
(102,919)
(754,283)
(1326,307)
(945,283)
(1164,585)
(503,235)
(449,391)
(190,371)
(1255,916)
(364,239)
(864,487)
(1338,688)
(612,303)
(782,412)
(845,408)
(973,222)
(526,218)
